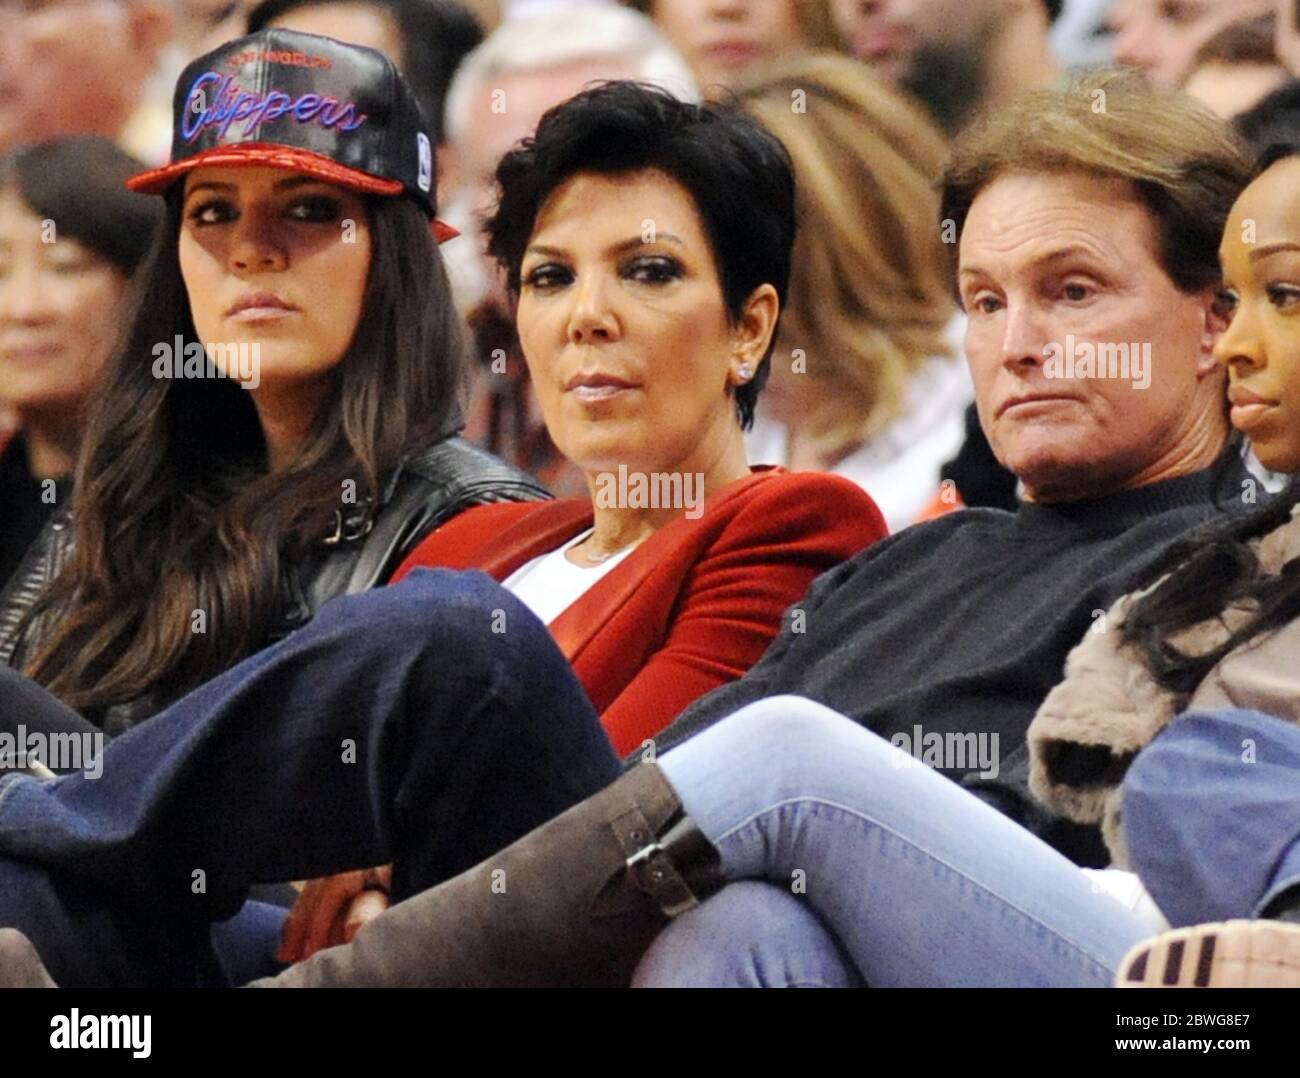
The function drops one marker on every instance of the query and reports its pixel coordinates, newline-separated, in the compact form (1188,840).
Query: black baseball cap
(304,103)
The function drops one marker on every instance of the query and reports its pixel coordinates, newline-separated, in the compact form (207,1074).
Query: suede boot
(574,903)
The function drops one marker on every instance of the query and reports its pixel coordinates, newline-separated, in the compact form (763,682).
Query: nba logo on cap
(425,177)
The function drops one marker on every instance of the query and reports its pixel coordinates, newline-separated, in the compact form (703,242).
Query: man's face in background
(1162,36)
(74,66)
(937,49)
(722,39)
(889,33)
(56,59)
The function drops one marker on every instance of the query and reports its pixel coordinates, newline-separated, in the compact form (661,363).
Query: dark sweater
(979,478)
(963,624)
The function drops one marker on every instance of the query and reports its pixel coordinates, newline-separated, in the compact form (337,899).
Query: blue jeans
(428,724)
(1211,814)
(910,879)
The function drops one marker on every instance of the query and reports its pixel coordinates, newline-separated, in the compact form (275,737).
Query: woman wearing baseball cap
(276,426)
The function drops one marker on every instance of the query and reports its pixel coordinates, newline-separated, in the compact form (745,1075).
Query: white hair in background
(565,37)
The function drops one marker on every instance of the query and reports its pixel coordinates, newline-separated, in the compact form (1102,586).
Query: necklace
(595,559)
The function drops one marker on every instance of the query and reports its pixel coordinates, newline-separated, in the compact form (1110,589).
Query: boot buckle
(650,863)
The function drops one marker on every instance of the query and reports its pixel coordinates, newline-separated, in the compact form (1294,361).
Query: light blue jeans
(1212,814)
(876,869)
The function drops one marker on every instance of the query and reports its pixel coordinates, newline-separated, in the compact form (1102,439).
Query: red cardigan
(693,606)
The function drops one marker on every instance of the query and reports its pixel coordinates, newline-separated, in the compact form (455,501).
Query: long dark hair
(173,512)
(1215,567)
(1210,569)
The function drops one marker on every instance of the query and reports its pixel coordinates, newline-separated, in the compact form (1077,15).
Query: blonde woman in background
(866,377)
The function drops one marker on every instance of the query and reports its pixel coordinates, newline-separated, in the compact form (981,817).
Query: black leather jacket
(368,544)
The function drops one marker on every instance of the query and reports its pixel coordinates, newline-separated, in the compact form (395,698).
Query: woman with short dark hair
(737,175)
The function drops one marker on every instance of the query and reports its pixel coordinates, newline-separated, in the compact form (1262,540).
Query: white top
(550,583)
(899,467)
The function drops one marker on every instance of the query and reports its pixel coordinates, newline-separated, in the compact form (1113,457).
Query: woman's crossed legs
(912,880)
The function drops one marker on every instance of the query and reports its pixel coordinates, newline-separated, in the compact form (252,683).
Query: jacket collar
(549,525)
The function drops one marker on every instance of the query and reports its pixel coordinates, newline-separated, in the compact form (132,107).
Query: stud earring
(746,372)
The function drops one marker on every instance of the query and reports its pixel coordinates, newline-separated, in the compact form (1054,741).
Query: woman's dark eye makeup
(308,208)
(652,269)
(315,208)
(547,275)
(1283,295)
(210,211)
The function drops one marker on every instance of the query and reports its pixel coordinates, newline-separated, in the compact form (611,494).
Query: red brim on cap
(273,155)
